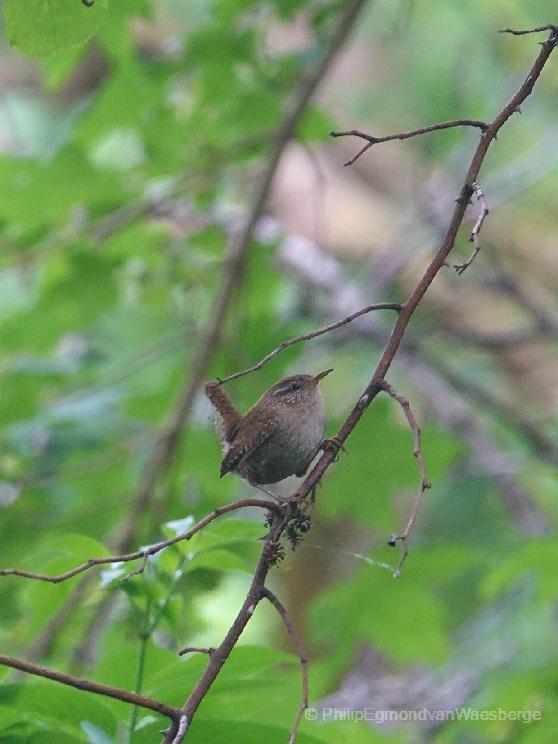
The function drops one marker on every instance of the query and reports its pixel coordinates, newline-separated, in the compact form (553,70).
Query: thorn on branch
(88,3)
(424,482)
(474,237)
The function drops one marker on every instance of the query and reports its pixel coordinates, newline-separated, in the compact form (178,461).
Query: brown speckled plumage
(279,436)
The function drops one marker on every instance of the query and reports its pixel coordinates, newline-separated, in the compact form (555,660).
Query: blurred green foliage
(102,299)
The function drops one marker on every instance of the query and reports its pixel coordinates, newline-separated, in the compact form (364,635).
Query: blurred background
(133,140)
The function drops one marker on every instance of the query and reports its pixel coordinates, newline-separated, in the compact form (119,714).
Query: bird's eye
(294,386)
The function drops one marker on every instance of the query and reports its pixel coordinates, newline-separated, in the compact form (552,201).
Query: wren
(278,437)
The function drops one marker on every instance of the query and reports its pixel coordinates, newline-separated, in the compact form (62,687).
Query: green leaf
(225,731)
(58,705)
(96,735)
(399,616)
(538,559)
(316,125)
(218,560)
(40,28)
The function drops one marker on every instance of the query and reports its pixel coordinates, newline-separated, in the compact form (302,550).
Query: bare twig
(437,262)
(196,649)
(307,336)
(85,684)
(309,484)
(403,537)
(143,553)
(220,654)
(474,237)
(281,517)
(448,405)
(548,27)
(301,651)
(371,140)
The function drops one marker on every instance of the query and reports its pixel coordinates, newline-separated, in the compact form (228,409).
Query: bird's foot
(280,500)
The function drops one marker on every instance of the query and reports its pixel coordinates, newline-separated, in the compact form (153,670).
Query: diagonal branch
(301,651)
(84,684)
(307,336)
(437,262)
(268,556)
(269,552)
(424,482)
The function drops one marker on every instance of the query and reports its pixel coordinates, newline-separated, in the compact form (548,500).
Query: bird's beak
(318,378)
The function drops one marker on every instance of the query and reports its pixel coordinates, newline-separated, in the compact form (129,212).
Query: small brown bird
(278,437)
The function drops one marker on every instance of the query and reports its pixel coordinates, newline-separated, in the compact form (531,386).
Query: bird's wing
(251,433)
(229,417)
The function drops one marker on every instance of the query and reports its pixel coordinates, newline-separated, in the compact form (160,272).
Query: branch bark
(269,554)
(299,646)
(282,517)
(143,553)
(85,684)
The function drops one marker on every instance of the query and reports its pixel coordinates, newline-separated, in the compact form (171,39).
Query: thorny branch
(280,518)
(403,537)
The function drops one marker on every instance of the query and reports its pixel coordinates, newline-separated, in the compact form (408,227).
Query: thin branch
(548,27)
(403,537)
(449,406)
(474,237)
(301,651)
(196,650)
(280,518)
(307,336)
(371,140)
(84,684)
(435,265)
(268,558)
(143,553)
